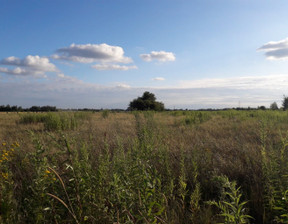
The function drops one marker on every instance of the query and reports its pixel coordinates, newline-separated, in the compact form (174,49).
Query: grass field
(173,167)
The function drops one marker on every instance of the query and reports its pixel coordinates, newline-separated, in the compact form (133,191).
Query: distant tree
(274,106)
(262,108)
(148,97)
(285,102)
(8,108)
(42,109)
(146,102)
(48,108)
(35,109)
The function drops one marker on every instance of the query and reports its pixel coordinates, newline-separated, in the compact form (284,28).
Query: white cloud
(69,92)
(275,50)
(113,67)
(123,85)
(88,53)
(61,75)
(162,56)
(158,79)
(271,82)
(30,65)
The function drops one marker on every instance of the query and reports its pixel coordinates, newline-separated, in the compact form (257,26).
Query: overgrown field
(168,167)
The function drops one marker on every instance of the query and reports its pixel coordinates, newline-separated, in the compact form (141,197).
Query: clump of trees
(274,106)
(42,109)
(146,102)
(9,108)
(285,102)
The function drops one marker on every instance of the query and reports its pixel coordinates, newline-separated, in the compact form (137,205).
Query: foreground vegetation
(144,167)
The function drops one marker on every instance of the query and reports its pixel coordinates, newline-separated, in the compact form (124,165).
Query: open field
(144,167)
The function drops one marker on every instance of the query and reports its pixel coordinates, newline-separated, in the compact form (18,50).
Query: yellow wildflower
(5,175)
(47,171)
(4,143)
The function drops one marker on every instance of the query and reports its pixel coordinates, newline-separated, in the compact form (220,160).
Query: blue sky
(104,53)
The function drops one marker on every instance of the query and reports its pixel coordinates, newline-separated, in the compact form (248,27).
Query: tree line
(146,102)
(9,108)
(274,105)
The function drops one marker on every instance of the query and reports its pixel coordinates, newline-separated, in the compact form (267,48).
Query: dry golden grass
(226,143)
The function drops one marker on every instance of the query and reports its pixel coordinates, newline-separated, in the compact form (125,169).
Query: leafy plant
(105,113)
(231,209)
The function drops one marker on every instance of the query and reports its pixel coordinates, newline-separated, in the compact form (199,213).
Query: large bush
(146,102)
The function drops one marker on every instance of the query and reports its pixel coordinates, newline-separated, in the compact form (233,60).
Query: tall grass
(53,121)
(145,167)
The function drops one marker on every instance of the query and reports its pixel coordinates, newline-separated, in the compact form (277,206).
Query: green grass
(53,121)
(144,167)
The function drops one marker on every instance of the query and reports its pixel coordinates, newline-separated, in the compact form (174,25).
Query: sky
(192,54)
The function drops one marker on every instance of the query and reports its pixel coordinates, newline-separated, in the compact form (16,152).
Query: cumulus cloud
(275,50)
(113,67)
(158,79)
(162,56)
(30,65)
(88,53)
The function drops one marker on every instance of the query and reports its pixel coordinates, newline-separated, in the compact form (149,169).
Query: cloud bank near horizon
(65,91)
(158,79)
(216,94)
(268,82)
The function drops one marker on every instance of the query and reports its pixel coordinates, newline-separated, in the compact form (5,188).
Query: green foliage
(30,118)
(282,208)
(8,108)
(42,109)
(105,113)
(152,168)
(82,116)
(196,117)
(285,102)
(60,121)
(53,121)
(275,166)
(274,106)
(231,209)
(146,102)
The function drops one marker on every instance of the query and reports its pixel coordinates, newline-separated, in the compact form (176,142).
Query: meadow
(173,167)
